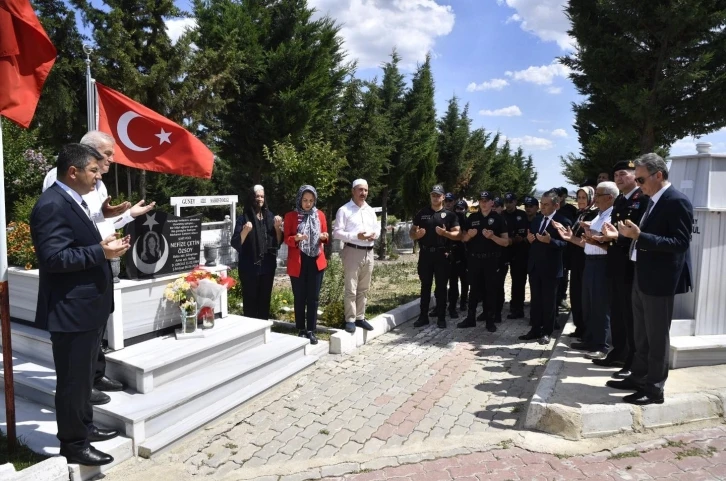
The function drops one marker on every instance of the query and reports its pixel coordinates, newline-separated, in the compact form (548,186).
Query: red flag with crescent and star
(26,57)
(149,141)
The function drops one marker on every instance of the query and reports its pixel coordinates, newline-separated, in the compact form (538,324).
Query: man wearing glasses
(660,249)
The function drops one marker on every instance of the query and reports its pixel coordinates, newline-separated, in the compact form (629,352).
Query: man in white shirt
(356,226)
(107,218)
(595,289)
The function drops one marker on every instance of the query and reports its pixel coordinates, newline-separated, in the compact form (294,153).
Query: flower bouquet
(207,287)
(179,293)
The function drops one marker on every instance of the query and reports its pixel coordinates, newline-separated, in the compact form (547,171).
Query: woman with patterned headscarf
(586,212)
(257,236)
(305,230)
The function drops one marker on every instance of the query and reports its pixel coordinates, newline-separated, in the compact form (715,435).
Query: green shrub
(331,293)
(281,297)
(23,207)
(234,295)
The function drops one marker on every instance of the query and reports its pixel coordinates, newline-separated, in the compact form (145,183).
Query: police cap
(530,201)
(510,197)
(498,202)
(624,165)
(461,205)
(485,195)
(438,189)
(449,196)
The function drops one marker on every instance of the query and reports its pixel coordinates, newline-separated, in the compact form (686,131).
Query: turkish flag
(26,57)
(149,141)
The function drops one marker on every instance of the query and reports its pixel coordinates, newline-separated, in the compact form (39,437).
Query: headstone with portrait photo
(162,244)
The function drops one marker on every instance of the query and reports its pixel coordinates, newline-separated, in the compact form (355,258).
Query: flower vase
(189,322)
(116,269)
(207,318)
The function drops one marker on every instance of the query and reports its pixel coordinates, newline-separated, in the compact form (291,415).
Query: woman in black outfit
(575,253)
(257,236)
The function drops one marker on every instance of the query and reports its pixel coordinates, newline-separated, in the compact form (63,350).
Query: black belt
(432,249)
(485,255)
(363,248)
(598,257)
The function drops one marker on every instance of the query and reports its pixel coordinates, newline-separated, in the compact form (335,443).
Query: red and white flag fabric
(147,140)
(26,57)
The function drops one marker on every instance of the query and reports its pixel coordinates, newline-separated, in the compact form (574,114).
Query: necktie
(88,213)
(544,225)
(642,222)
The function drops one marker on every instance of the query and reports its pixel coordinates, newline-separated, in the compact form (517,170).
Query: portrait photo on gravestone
(163,244)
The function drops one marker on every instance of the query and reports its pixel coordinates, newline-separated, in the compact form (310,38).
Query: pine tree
(61,114)
(651,72)
(453,136)
(420,155)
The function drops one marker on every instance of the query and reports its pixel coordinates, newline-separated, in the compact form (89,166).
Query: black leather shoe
(576,333)
(583,346)
(515,315)
(544,340)
(98,398)
(491,327)
(421,321)
(96,435)
(466,323)
(89,456)
(441,323)
(453,313)
(108,385)
(625,384)
(642,398)
(530,336)
(612,362)
(363,324)
(622,374)
(350,327)
(313,339)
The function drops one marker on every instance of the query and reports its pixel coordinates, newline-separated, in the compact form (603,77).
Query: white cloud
(559,133)
(511,111)
(542,75)
(554,90)
(493,84)
(371,29)
(529,142)
(544,18)
(177,26)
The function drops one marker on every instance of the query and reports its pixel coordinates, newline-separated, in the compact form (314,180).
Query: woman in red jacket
(305,231)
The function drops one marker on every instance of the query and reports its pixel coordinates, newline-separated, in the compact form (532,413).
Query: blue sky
(497,55)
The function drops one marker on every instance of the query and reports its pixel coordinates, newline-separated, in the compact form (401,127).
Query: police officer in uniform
(629,205)
(485,235)
(503,264)
(516,254)
(434,227)
(458,266)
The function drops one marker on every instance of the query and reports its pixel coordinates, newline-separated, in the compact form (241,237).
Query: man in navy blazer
(545,268)
(661,252)
(75,296)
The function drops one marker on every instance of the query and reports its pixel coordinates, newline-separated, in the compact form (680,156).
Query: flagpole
(5,313)
(90,90)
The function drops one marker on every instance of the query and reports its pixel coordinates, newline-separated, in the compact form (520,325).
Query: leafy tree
(651,72)
(61,114)
(419,156)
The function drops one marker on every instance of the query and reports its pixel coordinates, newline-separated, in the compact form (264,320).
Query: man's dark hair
(589,183)
(76,155)
(562,191)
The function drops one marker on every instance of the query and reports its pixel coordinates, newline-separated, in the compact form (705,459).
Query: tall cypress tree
(453,136)
(420,155)
(393,107)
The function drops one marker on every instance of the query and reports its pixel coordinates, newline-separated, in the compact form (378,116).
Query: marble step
(31,343)
(689,351)
(322,348)
(36,426)
(166,438)
(141,416)
(153,363)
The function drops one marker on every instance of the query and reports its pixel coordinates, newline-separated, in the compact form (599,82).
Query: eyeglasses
(641,180)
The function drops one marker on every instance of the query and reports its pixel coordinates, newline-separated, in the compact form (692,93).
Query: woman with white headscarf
(305,231)
(257,236)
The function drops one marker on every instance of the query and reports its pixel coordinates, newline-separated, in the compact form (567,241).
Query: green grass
(322,336)
(23,456)
(626,454)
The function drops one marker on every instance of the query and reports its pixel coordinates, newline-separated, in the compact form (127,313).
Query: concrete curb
(599,420)
(344,342)
(52,469)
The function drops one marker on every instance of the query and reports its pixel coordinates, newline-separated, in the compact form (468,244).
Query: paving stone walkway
(698,455)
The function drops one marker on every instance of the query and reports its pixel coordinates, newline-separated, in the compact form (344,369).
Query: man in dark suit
(75,296)
(544,268)
(660,249)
